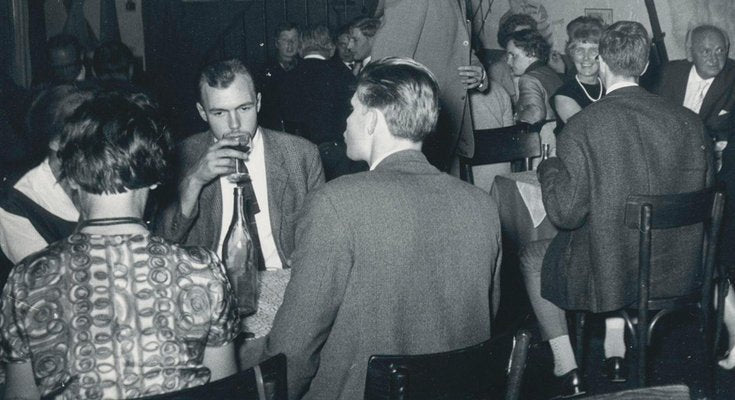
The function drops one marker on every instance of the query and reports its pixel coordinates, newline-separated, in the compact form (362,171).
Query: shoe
(615,369)
(570,385)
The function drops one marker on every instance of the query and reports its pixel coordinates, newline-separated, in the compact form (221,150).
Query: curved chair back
(511,143)
(483,371)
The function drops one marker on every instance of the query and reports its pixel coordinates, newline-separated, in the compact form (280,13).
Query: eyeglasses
(581,52)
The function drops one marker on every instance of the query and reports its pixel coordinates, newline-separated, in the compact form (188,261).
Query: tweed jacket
(436,34)
(395,260)
(718,106)
(629,142)
(293,169)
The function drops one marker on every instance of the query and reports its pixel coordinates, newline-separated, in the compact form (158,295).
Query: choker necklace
(585,89)
(111,221)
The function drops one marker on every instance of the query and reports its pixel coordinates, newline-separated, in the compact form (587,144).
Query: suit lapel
(276,177)
(716,90)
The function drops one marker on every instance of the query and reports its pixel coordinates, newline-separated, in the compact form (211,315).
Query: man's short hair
(624,46)
(405,92)
(367,26)
(316,39)
(510,24)
(285,27)
(532,43)
(221,74)
(702,29)
(49,110)
(64,41)
(111,145)
(112,59)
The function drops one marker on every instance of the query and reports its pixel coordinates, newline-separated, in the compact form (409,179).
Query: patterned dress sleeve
(15,347)
(225,322)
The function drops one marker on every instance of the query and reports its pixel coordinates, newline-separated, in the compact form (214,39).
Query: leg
(729,361)
(552,319)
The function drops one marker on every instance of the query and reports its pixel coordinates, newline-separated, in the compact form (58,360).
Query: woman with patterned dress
(113,311)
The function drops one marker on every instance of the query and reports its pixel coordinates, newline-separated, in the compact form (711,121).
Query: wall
(675,17)
(130,22)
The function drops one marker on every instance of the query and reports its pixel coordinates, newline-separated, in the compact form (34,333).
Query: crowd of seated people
(114,237)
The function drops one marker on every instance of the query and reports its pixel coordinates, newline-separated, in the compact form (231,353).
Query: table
(517,225)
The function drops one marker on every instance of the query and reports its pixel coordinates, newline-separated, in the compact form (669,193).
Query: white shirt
(256,167)
(18,237)
(697,88)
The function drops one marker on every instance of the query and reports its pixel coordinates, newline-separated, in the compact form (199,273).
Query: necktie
(251,208)
(356,68)
(700,95)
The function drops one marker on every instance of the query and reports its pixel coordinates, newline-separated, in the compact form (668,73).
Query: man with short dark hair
(113,61)
(283,169)
(629,142)
(362,36)
(344,54)
(271,76)
(65,59)
(372,273)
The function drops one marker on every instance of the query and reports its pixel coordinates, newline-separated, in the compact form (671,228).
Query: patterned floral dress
(116,316)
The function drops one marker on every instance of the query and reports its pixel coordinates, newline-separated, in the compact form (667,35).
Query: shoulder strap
(51,227)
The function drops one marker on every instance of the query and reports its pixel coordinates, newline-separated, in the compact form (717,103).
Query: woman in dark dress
(586,87)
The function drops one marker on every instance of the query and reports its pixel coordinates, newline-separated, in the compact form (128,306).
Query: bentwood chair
(489,370)
(266,381)
(511,143)
(645,214)
(668,392)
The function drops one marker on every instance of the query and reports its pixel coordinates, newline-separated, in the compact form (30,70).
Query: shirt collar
(314,56)
(620,85)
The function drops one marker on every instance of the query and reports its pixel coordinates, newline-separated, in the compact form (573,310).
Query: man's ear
(257,103)
(203,113)
(645,68)
(372,120)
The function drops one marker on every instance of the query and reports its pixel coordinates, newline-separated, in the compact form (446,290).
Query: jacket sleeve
(531,104)
(565,183)
(322,265)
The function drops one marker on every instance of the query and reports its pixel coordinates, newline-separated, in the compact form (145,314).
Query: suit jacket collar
(410,161)
(716,90)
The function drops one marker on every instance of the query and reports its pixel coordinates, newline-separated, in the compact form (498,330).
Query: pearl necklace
(585,89)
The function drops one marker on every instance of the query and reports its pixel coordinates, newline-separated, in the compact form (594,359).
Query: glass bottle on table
(238,249)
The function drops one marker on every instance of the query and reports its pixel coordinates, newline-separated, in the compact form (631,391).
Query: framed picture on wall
(604,14)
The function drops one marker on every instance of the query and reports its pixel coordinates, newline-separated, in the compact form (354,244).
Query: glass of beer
(243,144)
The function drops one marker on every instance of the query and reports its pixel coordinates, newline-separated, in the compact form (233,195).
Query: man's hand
(218,160)
(473,76)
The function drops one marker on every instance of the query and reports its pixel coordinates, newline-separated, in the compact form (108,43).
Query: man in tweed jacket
(399,259)
(283,168)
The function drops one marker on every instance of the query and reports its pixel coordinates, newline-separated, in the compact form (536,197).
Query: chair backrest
(669,392)
(645,213)
(481,371)
(267,381)
(516,142)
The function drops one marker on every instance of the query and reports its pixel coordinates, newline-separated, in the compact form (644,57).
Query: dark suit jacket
(396,260)
(629,142)
(718,107)
(434,33)
(292,169)
(316,95)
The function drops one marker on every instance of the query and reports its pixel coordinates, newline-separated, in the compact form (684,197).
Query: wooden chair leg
(642,336)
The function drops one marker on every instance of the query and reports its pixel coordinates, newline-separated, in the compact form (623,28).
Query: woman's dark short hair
(532,43)
(511,23)
(112,145)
